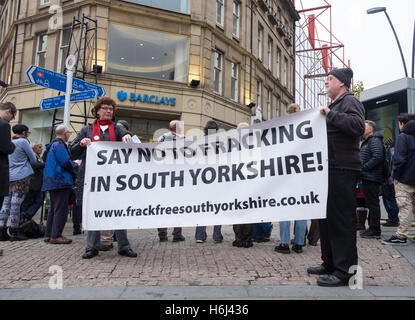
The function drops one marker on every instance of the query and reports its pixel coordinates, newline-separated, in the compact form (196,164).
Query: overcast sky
(368,39)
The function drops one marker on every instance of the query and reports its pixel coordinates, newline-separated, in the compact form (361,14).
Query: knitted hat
(345,75)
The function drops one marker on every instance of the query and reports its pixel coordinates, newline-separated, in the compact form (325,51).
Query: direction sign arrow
(57,81)
(59,101)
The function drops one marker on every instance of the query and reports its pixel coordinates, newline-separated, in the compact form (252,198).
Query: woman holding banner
(103,129)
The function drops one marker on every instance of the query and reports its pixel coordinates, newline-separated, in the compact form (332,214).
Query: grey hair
(61,129)
(34,144)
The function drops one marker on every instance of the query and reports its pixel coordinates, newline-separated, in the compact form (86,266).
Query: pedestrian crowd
(362,166)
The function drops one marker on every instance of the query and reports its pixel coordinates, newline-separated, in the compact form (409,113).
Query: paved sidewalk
(174,265)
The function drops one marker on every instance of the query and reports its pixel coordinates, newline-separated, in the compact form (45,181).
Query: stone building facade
(238,52)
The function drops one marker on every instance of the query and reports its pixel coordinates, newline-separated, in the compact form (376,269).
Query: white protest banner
(272,171)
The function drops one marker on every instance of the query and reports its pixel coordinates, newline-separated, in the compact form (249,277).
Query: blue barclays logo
(145,98)
(122,96)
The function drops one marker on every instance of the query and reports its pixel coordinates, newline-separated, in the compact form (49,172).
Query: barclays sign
(145,98)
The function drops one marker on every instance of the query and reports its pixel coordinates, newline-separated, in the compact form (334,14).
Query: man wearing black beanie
(345,125)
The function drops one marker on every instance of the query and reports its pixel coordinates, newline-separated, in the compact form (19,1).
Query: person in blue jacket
(372,156)
(404,178)
(20,171)
(58,180)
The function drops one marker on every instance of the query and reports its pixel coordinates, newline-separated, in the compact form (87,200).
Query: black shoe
(106,247)
(16,234)
(282,248)
(389,224)
(318,270)
(90,254)
(218,241)
(297,248)
(236,243)
(164,239)
(247,244)
(370,234)
(394,240)
(331,281)
(127,253)
(4,236)
(77,231)
(179,238)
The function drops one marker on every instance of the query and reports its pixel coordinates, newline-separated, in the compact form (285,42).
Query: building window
(278,63)
(259,100)
(269,104)
(171,5)
(285,72)
(260,35)
(235,81)
(42,44)
(145,53)
(277,106)
(63,49)
(269,53)
(43,2)
(219,11)
(217,76)
(236,14)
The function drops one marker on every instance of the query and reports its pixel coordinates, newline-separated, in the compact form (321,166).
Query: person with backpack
(58,180)
(372,156)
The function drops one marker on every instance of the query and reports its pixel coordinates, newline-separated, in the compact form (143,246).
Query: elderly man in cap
(345,126)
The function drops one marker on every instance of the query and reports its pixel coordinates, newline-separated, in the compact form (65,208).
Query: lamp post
(383,9)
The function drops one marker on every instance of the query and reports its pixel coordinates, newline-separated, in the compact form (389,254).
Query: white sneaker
(200,241)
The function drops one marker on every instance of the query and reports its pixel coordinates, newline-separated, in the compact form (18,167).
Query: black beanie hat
(345,75)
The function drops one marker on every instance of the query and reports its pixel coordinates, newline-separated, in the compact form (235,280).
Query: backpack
(387,165)
(33,230)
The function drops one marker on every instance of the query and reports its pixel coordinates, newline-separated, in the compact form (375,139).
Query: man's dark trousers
(389,201)
(58,213)
(371,190)
(338,230)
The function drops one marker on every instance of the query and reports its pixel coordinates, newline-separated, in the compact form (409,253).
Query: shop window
(39,123)
(144,53)
(171,5)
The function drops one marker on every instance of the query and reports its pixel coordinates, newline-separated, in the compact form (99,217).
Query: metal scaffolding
(318,52)
(83,45)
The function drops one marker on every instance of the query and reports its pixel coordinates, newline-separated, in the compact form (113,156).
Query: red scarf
(96,130)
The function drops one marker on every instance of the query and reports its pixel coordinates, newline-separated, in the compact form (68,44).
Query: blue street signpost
(59,101)
(57,81)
